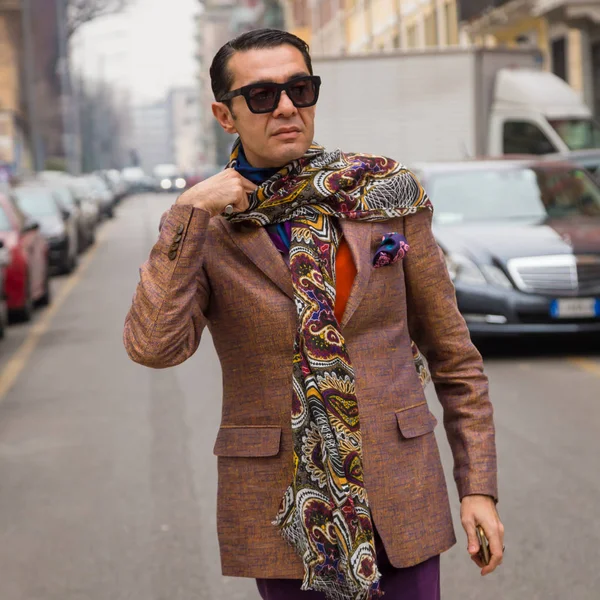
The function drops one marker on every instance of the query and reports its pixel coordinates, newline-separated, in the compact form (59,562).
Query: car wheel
(25,313)
(47,297)
(70,264)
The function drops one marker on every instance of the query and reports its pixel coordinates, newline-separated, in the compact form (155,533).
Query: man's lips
(286,131)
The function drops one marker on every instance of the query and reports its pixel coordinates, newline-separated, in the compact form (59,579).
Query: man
(320,280)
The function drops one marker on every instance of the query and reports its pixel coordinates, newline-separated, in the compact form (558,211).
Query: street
(108,481)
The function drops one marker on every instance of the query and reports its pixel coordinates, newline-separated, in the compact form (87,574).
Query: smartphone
(484,546)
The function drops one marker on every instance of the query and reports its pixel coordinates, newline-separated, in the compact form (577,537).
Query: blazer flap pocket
(416,420)
(250,441)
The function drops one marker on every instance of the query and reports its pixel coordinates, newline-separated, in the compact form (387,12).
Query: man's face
(272,139)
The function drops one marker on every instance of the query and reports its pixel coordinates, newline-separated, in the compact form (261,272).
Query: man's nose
(286,107)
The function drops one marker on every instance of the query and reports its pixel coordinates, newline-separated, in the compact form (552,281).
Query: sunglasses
(264,98)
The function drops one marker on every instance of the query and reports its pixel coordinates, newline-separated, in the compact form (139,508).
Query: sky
(146,50)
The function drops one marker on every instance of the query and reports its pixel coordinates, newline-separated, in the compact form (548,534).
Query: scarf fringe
(293,533)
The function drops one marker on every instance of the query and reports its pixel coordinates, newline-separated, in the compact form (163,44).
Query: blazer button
(174,247)
(178,237)
(173,255)
(180,229)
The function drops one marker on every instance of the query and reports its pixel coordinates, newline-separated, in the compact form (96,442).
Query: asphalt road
(108,482)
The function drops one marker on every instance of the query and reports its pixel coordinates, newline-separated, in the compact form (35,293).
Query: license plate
(575,308)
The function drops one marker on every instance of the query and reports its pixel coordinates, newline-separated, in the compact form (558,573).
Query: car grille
(550,275)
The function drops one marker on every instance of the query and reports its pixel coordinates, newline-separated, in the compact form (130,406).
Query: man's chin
(287,151)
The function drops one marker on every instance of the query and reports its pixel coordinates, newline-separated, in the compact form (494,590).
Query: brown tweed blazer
(206,271)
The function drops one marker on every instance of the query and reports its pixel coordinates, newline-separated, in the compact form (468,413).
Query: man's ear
(224,116)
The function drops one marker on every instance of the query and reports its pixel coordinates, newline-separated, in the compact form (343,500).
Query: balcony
(572,9)
(473,9)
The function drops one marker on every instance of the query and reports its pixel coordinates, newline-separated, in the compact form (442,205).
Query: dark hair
(259,39)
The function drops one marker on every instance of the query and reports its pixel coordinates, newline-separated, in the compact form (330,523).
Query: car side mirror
(30,226)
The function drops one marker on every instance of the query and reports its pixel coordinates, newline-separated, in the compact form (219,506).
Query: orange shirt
(345,272)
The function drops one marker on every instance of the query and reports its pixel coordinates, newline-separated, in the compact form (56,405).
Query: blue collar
(254,174)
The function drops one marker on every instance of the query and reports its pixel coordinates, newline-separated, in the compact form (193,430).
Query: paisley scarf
(325,512)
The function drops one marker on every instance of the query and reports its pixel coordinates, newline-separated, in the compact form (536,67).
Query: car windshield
(36,202)
(64,196)
(578,134)
(4,221)
(509,194)
(165,171)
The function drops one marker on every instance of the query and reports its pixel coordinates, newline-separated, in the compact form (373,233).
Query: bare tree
(83,11)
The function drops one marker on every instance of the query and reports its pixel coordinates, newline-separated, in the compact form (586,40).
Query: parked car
(81,197)
(58,225)
(522,244)
(136,180)
(116,183)
(27,279)
(100,193)
(89,211)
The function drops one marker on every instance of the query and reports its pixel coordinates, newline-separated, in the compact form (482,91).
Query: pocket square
(393,247)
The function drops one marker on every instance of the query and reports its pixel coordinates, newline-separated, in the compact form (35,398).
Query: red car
(27,278)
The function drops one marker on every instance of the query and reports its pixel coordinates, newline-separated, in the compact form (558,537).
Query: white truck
(449,104)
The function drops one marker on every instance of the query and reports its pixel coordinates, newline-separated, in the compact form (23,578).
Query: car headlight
(180,183)
(496,277)
(166,184)
(463,270)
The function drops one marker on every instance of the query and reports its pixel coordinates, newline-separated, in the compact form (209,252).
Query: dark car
(522,244)
(57,224)
(27,279)
(68,201)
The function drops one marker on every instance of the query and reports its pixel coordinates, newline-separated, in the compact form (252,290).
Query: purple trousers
(421,582)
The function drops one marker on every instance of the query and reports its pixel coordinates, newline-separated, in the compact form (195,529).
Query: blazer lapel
(358,235)
(255,243)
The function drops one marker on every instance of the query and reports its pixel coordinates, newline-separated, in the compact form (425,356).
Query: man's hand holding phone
(485,532)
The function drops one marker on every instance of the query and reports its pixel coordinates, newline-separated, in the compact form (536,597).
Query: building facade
(183,107)
(31,122)
(338,27)
(566,31)
(14,151)
(151,132)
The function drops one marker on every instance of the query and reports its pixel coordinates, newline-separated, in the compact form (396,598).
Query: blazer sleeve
(165,322)
(440,332)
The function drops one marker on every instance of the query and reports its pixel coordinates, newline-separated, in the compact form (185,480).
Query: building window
(431,32)
(523,137)
(559,57)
